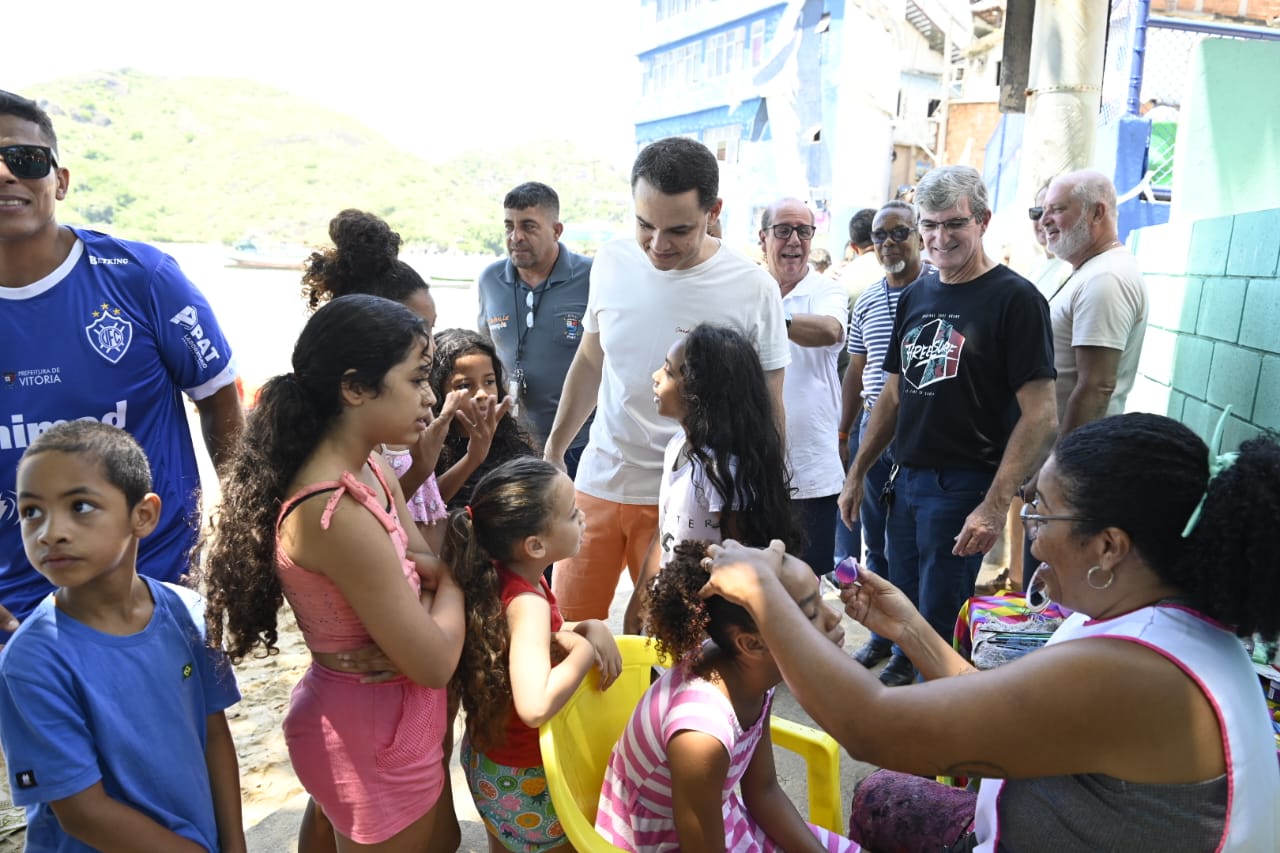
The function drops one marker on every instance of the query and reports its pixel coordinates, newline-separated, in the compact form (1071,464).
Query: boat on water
(268,256)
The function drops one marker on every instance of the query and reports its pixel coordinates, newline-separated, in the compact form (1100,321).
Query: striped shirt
(635,811)
(871,330)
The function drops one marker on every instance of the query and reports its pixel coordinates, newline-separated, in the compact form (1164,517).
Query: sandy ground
(273,800)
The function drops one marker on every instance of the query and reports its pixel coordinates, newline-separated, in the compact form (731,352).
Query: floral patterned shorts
(513,802)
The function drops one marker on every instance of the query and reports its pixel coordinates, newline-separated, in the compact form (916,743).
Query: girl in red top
(521,518)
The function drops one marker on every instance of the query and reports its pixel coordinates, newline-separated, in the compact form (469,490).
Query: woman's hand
(740,574)
(608,658)
(879,605)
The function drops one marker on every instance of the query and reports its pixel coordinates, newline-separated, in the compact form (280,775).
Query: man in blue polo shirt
(531,305)
(95,327)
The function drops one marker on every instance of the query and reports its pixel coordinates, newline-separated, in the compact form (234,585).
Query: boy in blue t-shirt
(111,702)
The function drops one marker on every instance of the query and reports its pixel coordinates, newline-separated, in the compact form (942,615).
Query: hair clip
(467,509)
(1218,462)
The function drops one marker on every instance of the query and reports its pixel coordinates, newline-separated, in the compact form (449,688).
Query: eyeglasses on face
(784,232)
(1031,520)
(1035,213)
(899,234)
(28,162)
(950,226)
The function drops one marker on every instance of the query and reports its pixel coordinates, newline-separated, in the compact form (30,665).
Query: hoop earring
(1111,578)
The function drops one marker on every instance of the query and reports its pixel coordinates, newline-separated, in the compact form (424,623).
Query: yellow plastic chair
(576,744)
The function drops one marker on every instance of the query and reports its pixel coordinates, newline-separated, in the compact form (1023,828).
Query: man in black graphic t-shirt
(968,400)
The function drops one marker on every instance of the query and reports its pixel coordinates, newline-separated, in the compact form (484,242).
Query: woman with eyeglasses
(1149,732)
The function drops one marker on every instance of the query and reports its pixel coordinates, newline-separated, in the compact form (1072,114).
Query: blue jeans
(818,518)
(929,509)
(874,515)
(848,540)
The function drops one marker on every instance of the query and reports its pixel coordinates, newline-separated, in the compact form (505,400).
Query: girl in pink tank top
(311,513)
(521,517)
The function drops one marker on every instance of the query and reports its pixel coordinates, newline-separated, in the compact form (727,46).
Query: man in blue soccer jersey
(95,327)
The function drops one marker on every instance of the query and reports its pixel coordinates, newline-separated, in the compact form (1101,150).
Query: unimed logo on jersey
(20,431)
(931,353)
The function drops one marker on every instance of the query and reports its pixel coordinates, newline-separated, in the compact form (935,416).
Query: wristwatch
(787,318)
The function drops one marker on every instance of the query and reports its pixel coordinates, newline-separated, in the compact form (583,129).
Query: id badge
(513,391)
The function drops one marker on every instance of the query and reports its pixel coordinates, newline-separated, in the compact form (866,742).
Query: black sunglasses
(28,162)
(1035,213)
(899,234)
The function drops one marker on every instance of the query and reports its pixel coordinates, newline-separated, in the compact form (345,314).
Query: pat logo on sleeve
(26,779)
(202,350)
(186,671)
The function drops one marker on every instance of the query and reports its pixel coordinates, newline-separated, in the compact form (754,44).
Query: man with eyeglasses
(647,292)
(531,306)
(897,246)
(95,327)
(1099,313)
(967,401)
(816,311)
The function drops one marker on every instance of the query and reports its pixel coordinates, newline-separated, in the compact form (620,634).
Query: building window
(723,140)
(757,42)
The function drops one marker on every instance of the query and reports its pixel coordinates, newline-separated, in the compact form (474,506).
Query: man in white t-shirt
(816,310)
(1099,315)
(646,293)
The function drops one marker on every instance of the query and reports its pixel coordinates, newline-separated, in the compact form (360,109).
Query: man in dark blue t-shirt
(95,327)
(968,401)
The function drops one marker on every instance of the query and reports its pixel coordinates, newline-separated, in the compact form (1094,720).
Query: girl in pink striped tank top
(355,571)
(694,768)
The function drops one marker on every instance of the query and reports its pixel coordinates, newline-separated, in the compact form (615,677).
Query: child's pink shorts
(370,754)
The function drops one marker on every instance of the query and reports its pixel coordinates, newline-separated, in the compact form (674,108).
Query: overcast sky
(435,77)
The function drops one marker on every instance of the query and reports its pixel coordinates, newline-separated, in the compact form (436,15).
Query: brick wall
(1251,10)
(1213,336)
(969,127)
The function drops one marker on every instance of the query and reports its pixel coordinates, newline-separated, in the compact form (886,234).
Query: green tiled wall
(1213,335)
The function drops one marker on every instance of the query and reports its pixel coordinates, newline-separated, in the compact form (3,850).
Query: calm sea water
(262,311)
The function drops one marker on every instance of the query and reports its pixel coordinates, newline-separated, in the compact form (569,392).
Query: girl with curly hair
(310,512)
(522,516)
(365,258)
(693,770)
(486,434)
(724,475)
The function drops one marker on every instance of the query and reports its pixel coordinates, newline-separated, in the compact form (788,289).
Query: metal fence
(1167,45)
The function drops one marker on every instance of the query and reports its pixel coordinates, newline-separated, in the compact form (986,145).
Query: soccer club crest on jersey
(110,333)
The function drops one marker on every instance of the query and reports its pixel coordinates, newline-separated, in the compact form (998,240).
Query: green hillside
(213,159)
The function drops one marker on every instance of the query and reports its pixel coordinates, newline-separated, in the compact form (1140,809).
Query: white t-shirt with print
(689,506)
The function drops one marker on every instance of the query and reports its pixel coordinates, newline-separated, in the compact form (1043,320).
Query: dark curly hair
(352,340)
(678,618)
(510,439)
(365,259)
(1146,473)
(734,436)
(509,503)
